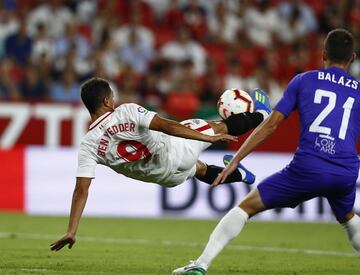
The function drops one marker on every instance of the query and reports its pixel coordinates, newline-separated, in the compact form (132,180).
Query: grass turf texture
(141,246)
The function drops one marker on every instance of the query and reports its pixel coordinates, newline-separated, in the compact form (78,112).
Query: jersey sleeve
(142,116)
(86,163)
(288,103)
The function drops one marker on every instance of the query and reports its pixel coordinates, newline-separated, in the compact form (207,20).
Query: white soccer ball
(234,101)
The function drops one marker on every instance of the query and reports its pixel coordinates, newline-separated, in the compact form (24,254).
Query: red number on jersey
(131,150)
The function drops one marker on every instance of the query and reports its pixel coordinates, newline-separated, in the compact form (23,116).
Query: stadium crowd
(175,56)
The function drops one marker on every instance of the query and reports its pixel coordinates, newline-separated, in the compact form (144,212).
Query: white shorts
(189,150)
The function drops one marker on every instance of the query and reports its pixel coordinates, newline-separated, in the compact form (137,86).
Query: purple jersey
(328,102)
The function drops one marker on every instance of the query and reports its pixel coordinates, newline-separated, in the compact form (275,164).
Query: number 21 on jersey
(315,127)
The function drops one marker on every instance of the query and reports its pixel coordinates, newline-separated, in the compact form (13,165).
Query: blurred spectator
(149,91)
(127,92)
(121,35)
(262,79)
(212,86)
(335,15)
(8,26)
(159,7)
(53,14)
(107,58)
(86,10)
(233,78)
(184,48)
(224,24)
(105,23)
(73,50)
(261,22)
(67,89)
(72,38)
(182,100)
(18,46)
(163,70)
(297,20)
(43,45)
(136,53)
(33,87)
(174,16)
(126,9)
(194,15)
(8,90)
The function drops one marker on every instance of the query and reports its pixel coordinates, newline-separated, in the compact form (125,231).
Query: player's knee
(200,169)
(252,204)
(347,217)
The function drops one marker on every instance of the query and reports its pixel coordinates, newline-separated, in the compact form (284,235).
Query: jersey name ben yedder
(123,141)
(328,102)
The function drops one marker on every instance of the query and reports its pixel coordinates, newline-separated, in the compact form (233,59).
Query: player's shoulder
(307,74)
(304,79)
(131,107)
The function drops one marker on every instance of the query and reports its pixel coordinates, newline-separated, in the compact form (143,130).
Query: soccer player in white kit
(141,145)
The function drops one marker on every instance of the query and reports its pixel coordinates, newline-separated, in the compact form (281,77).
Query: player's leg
(227,229)
(193,148)
(208,173)
(351,224)
(239,124)
(342,201)
(275,191)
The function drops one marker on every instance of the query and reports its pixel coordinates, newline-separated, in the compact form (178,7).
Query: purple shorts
(290,187)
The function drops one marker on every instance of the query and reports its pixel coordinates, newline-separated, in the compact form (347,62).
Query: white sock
(352,228)
(227,229)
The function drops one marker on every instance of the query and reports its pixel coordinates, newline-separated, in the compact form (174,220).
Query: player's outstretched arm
(77,206)
(260,133)
(174,128)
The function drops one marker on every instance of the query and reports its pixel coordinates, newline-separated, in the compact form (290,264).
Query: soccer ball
(234,101)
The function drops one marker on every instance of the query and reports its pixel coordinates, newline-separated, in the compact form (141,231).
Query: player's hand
(224,174)
(222,137)
(67,239)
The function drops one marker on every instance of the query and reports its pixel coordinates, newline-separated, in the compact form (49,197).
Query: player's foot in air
(247,176)
(261,101)
(191,269)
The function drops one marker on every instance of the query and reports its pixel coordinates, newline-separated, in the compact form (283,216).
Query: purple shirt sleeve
(288,102)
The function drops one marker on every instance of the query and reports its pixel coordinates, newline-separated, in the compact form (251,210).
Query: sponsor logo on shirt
(326,144)
(142,110)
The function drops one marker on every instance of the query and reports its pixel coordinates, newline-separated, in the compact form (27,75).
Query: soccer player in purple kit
(325,163)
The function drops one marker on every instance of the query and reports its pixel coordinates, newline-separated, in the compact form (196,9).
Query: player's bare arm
(174,128)
(262,132)
(77,206)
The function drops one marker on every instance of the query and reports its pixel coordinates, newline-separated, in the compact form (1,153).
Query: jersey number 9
(131,150)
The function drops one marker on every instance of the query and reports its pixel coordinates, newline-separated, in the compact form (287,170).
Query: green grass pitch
(143,246)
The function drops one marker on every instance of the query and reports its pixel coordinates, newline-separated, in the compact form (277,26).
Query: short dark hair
(93,92)
(339,46)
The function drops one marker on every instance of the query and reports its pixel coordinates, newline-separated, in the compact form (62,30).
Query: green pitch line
(141,246)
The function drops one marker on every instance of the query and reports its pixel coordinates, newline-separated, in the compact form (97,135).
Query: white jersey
(123,141)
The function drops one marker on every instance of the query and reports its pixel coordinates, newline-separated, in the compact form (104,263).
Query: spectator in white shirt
(233,78)
(43,45)
(297,20)
(121,34)
(224,25)
(184,48)
(53,14)
(136,53)
(261,22)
